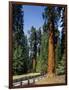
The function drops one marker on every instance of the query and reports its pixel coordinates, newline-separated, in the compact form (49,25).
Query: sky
(32,17)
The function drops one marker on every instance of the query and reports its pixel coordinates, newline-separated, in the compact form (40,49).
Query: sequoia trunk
(51,52)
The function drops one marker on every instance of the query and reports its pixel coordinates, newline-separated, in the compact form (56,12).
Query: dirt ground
(56,79)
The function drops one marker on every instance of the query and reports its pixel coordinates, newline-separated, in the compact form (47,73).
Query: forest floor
(57,79)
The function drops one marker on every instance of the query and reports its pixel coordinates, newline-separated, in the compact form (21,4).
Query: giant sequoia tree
(51,17)
(33,47)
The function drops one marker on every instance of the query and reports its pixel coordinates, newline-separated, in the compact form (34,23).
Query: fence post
(33,80)
(28,81)
(21,83)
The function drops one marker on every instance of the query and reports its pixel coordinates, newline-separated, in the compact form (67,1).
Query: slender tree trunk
(51,52)
(34,65)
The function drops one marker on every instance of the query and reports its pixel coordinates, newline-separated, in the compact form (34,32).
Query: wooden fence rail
(27,80)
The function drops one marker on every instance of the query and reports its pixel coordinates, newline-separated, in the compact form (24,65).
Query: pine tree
(19,41)
(63,38)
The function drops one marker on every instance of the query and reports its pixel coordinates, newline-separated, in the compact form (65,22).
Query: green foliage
(33,47)
(17,60)
(36,46)
(63,33)
(53,15)
(33,41)
(20,45)
(59,59)
(60,53)
(43,57)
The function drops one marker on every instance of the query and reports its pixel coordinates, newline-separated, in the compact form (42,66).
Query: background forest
(31,51)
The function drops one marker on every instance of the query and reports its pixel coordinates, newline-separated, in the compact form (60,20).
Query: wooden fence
(27,80)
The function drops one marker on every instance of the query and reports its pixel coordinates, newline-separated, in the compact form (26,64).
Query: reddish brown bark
(51,52)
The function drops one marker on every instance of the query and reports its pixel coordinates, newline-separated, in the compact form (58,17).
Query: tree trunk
(51,52)
(34,65)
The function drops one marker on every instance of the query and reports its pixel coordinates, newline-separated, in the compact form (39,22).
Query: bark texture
(51,52)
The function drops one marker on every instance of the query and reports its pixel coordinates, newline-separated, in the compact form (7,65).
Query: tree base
(50,75)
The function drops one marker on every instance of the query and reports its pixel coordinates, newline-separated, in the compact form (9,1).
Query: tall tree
(33,46)
(51,17)
(63,37)
(58,57)
(19,41)
(43,55)
(38,33)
